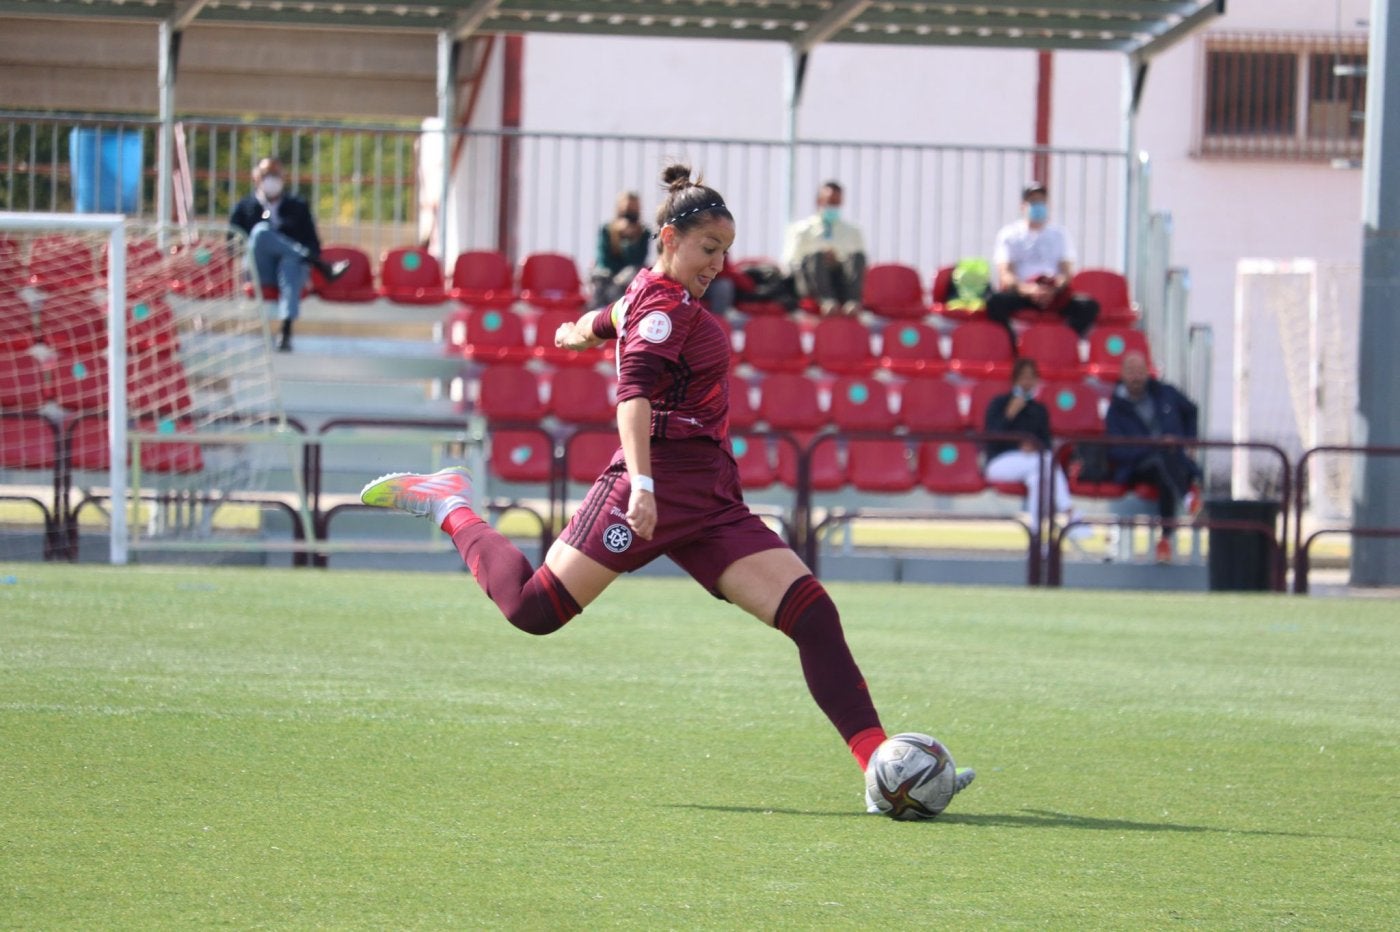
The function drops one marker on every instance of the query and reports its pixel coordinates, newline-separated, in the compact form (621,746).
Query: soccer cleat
(965,777)
(416,493)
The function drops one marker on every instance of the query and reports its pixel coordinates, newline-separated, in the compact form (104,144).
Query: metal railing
(921,205)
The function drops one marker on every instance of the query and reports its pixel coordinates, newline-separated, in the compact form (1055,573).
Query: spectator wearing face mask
(282,242)
(1033,261)
(825,255)
(623,247)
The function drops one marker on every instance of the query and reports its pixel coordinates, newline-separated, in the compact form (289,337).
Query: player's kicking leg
(533,600)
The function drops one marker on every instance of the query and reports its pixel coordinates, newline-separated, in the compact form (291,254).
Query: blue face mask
(831,214)
(1038,212)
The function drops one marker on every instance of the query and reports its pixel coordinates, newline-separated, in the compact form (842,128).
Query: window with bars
(1297,97)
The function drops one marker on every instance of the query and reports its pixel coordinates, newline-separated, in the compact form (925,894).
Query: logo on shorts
(617,537)
(655,327)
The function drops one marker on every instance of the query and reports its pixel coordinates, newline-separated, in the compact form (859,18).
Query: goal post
(136,370)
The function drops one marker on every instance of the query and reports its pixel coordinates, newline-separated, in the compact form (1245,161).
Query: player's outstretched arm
(578,335)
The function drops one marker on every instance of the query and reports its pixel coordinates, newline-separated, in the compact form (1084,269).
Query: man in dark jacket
(282,242)
(1144,407)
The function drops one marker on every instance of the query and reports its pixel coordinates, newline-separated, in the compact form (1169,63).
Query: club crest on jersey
(655,327)
(617,537)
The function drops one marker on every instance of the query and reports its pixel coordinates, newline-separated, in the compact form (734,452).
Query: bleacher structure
(835,420)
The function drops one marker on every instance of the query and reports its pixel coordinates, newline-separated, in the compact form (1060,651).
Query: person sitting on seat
(1033,261)
(825,256)
(624,243)
(1011,461)
(282,243)
(1142,406)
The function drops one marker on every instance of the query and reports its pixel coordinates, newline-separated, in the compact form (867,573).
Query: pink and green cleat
(418,494)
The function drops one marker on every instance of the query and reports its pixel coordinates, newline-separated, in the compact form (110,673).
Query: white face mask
(272,186)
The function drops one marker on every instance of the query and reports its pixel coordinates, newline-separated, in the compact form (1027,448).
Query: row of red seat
(486,278)
(508,393)
(842,345)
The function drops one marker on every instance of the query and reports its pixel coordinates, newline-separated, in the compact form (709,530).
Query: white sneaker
(418,494)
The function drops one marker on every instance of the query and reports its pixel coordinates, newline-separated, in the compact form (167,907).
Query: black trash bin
(1240,559)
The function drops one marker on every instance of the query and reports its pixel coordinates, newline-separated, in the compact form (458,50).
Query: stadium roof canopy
(1135,27)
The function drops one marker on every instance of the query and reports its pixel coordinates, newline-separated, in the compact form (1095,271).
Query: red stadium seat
(483,278)
(157,386)
(743,413)
(789,401)
(911,347)
(150,325)
(21,381)
(842,345)
(13,273)
(16,322)
(1110,289)
(62,263)
(356,286)
(861,404)
(757,469)
(1055,349)
(950,467)
(1107,347)
(205,269)
(893,290)
(582,396)
(1073,408)
(525,456)
(930,405)
(981,349)
(551,280)
(78,323)
(545,326)
(879,466)
(489,334)
(28,440)
(825,470)
(510,394)
(979,397)
(774,344)
(410,275)
(587,453)
(80,382)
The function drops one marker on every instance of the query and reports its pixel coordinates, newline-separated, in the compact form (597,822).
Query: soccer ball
(910,776)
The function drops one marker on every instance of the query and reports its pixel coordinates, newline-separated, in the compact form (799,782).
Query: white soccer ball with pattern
(910,776)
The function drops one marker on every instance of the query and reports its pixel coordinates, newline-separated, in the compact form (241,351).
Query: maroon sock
(535,601)
(808,616)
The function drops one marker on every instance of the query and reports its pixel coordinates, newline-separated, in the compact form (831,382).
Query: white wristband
(644,484)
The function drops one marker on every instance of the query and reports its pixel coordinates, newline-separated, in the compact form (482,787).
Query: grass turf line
(294,748)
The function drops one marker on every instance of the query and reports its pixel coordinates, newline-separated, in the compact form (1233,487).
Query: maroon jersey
(690,397)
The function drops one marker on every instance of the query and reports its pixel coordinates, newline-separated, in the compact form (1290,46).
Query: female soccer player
(673,487)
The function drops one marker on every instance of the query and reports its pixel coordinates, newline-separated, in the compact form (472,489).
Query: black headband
(693,210)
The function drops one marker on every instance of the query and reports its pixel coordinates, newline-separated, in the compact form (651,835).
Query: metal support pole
(165,76)
(1376,561)
(446,84)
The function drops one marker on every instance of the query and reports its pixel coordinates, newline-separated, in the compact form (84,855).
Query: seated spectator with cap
(1033,262)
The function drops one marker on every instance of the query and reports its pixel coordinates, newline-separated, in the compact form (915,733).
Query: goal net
(1296,331)
(164,393)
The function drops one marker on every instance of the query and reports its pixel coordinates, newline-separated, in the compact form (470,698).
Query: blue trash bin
(106,164)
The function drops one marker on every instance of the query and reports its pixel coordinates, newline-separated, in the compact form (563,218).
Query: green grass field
(294,749)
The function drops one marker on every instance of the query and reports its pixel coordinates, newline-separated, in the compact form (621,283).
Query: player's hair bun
(676,177)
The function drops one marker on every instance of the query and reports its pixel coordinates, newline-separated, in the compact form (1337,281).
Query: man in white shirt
(825,255)
(1034,262)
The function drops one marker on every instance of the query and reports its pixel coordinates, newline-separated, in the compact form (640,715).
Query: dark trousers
(827,279)
(1170,474)
(1079,311)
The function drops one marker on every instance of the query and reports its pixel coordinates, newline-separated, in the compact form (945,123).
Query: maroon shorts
(702,522)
